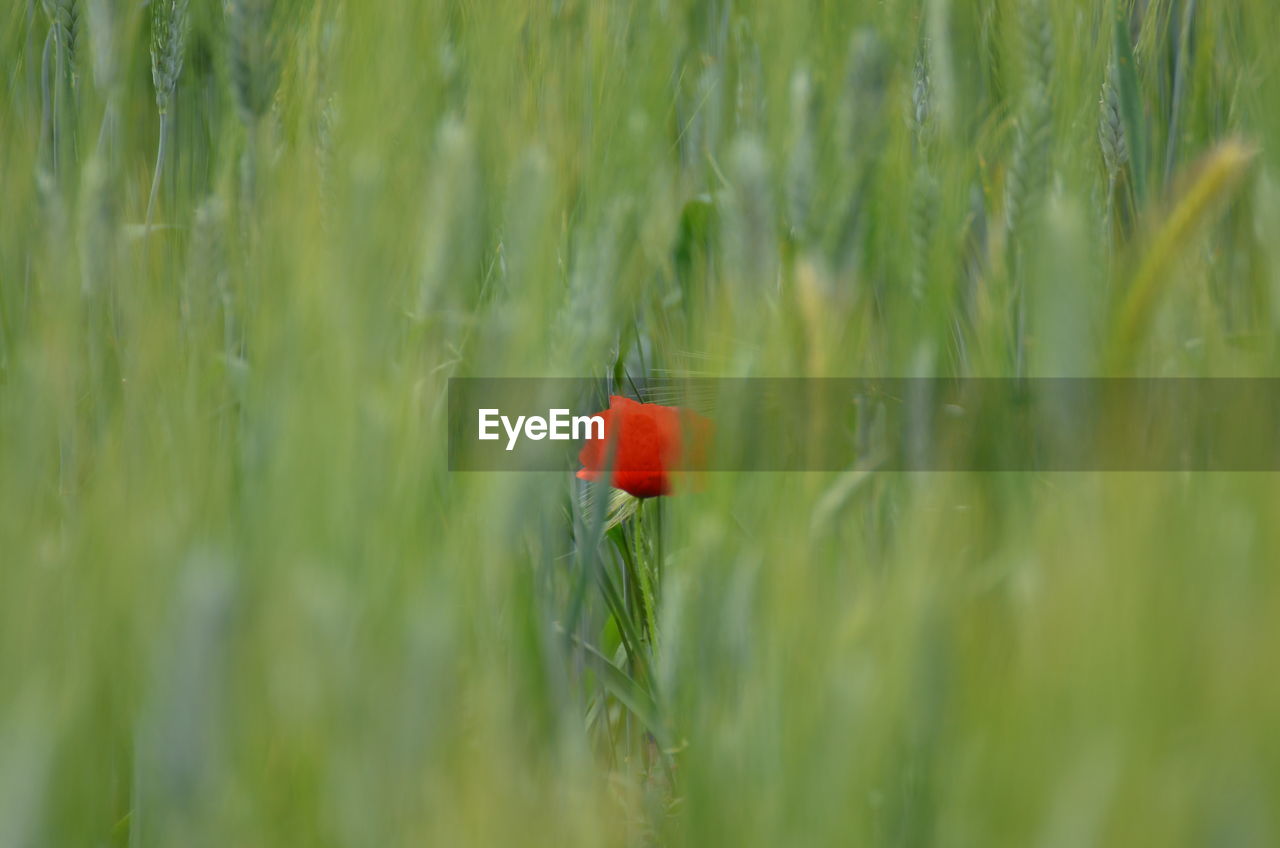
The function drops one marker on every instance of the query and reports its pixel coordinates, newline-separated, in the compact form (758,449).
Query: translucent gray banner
(895,424)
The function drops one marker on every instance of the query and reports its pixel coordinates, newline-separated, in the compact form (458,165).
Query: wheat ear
(168,32)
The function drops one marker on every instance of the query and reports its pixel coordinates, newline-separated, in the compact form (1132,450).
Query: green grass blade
(1131,101)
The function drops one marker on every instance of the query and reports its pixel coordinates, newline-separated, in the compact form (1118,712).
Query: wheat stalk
(168,33)
(1111,136)
(103,20)
(750,235)
(255,73)
(1028,170)
(924,216)
(60,49)
(1216,177)
(64,23)
(1028,173)
(1112,139)
(104,60)
(921,99)
(749,93)
(924,193)
(255,69)
(862,107)
(860,130)
(801,156)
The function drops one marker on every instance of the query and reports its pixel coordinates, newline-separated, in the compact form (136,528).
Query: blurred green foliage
(243,602)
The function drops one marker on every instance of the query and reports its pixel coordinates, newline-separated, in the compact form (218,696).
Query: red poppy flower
(654,444)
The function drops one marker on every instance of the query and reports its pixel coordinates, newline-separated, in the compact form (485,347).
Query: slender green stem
(161,148)
(645,574)
(1179,88)
(57,90)
(46,99)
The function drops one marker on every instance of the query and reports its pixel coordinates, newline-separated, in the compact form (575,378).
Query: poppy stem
(647,569)
(659,559)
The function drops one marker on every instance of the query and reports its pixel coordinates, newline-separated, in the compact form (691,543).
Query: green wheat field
(244,244)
